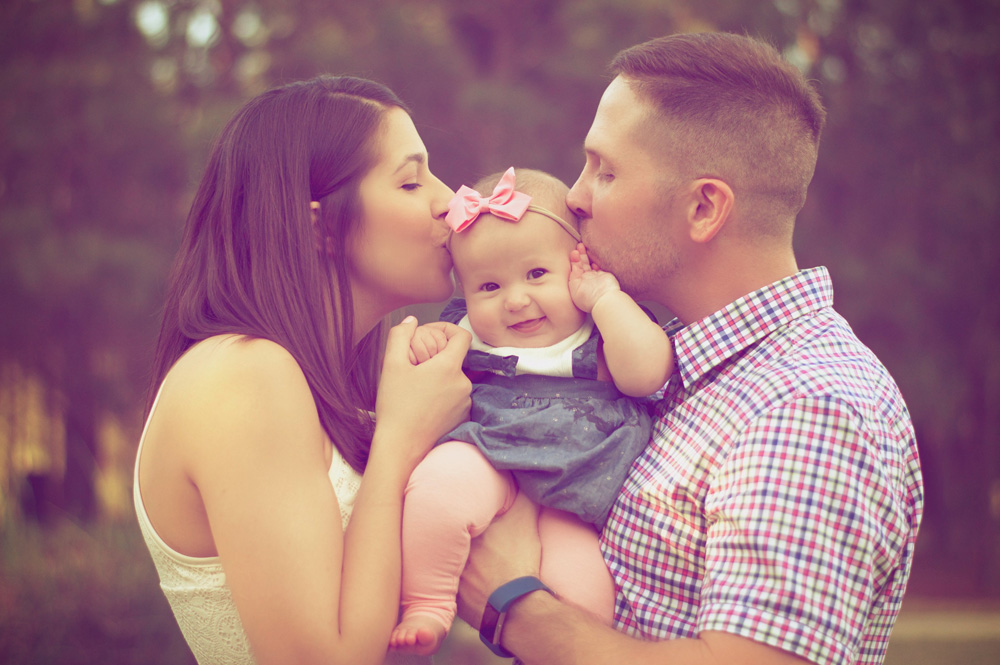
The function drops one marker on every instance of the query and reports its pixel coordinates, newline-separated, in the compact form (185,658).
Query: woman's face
(398,255)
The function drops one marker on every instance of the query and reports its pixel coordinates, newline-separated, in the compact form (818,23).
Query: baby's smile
(528,326)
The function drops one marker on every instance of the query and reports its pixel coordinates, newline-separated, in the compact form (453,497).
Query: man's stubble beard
(642,266)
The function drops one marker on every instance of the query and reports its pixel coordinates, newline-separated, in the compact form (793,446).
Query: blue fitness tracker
(496,610)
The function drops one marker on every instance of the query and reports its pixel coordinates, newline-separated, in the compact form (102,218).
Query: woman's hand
(507,550)
(587,282)
(418,404)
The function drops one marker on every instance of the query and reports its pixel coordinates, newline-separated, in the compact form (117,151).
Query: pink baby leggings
(452,496)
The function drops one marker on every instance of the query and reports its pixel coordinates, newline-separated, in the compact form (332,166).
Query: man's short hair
(730,107)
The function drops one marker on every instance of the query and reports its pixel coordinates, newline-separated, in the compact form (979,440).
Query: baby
(558,351)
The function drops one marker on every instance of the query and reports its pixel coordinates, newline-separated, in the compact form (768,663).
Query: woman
(316,217)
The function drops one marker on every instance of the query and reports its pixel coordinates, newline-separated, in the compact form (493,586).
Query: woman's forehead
(401,144)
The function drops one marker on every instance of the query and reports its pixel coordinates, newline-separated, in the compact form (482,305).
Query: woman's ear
(321,242)
(710,207)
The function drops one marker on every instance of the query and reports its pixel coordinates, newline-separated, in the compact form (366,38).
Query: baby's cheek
(481,322)
(573,315)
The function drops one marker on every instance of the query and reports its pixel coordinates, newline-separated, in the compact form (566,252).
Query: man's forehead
(621,118)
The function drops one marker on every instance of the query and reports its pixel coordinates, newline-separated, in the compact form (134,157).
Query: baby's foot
(418,634)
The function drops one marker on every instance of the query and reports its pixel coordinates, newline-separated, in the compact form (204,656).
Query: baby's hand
(587,282)
(429,340)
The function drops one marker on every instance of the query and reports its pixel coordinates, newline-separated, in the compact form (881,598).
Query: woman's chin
(442,292)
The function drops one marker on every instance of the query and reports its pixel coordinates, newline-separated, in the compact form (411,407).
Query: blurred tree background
(108,108)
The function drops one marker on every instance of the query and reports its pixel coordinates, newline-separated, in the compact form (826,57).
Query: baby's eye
(536,273)
(489,286)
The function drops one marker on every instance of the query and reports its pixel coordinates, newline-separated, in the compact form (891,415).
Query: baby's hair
(530,181)
(536,184)
(541,187)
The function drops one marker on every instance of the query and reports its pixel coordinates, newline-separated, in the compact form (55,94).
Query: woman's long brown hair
(252,263)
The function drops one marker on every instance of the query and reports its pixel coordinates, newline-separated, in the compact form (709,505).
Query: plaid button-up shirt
(780,495)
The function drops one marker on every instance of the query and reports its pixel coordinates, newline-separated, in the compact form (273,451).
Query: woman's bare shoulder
(237,362)
(234,384)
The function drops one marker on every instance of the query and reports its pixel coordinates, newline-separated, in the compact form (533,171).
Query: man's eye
(489,286)
(536,273)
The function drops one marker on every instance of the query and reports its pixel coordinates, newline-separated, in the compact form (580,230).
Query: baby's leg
(572,563)
(452,496)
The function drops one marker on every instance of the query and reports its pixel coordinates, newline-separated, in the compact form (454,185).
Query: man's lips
(530,325)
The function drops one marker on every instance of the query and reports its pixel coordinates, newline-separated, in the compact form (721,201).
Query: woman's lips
(528,326)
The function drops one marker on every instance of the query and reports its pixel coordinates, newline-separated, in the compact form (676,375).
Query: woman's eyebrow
(417,157)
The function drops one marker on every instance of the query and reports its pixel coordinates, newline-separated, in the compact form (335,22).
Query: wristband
(496,608)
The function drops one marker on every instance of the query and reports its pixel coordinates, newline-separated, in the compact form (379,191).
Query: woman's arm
(259,459)
(416,405)
(638,353)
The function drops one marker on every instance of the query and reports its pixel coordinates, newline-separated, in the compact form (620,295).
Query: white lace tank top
(196,587)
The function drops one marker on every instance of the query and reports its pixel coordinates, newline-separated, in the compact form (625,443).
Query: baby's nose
(516,300)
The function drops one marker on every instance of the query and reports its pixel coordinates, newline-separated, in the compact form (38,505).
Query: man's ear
(709,209)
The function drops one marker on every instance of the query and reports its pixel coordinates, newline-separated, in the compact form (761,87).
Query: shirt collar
(705,344)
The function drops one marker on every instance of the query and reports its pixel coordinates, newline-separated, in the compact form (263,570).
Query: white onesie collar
(554,360)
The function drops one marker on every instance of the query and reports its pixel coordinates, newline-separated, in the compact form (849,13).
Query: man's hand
(587,282)
(507,550)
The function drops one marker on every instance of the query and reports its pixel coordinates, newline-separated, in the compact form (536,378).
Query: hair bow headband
(505,202)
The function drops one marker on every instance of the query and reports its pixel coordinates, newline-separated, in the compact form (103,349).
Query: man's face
(630,215)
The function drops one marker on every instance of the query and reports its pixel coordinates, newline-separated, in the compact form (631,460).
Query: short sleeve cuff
(777,631)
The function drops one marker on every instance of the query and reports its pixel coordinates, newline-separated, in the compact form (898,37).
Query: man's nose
(578,198)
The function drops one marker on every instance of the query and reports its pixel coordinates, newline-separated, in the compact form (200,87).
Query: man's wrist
(497,606)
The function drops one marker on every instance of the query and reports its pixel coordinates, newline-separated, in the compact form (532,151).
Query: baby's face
(515,279)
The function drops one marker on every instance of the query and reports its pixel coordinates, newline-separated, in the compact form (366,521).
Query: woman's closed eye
(412,186)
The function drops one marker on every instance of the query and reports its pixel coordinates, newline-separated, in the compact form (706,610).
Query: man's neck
(715,281)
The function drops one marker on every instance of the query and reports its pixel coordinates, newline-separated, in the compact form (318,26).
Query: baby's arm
(430,339)
(637,351)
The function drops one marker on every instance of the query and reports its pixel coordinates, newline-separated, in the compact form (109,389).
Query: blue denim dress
(568,441)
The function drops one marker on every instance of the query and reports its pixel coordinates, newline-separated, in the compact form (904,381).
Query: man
(773,516)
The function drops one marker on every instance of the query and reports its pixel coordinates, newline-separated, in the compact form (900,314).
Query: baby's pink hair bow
(467,204)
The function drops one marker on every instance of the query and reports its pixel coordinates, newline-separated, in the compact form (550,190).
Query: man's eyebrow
(595,155)
(417,157)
